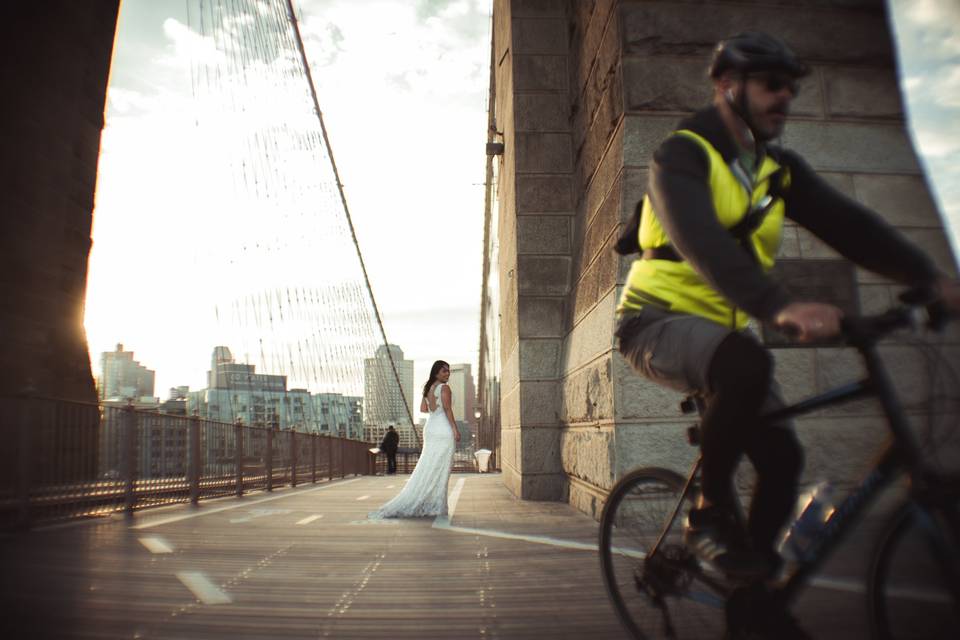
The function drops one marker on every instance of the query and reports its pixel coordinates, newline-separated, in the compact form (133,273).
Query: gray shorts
(676,349)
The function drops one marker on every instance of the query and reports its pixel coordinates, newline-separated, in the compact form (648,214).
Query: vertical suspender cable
(346,210)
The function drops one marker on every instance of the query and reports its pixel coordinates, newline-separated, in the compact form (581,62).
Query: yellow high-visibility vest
(676,285)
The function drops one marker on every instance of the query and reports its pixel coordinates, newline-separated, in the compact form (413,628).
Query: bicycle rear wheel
(659,598)
(909,590)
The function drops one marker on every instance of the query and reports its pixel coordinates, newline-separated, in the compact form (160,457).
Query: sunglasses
(775,82)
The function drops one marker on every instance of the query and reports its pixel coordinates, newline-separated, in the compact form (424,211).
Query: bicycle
(659,588)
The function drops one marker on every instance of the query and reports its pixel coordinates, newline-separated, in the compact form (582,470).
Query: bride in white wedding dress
(426,491)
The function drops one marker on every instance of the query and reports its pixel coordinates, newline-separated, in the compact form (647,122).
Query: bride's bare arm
(424,407)
(447,398)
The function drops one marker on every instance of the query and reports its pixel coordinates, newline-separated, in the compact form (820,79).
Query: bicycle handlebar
(867,330)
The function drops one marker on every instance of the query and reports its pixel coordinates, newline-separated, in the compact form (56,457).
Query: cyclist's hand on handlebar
(809,321)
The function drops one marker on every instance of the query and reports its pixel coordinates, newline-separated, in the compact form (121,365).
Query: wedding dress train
(425,493)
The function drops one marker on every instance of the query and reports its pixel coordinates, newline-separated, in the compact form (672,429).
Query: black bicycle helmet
(752,51)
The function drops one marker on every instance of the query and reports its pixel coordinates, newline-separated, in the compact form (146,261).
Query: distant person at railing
(425,493)
(391,440)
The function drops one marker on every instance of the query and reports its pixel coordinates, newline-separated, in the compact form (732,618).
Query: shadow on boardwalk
(305,563)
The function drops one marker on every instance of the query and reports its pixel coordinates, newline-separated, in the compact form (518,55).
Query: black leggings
(739,376)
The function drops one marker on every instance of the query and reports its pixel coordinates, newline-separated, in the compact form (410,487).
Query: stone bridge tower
(582,93)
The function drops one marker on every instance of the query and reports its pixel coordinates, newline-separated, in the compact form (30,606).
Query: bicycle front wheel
(913,583)
(660,596)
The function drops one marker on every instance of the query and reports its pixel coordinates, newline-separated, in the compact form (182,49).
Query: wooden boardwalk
(305,563)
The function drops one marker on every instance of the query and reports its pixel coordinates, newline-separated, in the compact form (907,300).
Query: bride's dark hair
(434,370)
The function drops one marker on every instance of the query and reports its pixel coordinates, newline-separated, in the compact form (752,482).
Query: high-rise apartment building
(382,398)
(464,397)
(122,377)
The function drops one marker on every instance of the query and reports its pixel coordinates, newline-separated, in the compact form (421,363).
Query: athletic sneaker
(713,535)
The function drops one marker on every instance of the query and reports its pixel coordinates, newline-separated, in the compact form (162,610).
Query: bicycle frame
(901,454)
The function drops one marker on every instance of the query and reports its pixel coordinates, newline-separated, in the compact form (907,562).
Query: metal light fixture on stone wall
(494,148)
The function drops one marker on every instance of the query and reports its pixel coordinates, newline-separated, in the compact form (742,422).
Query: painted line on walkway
(258,513)
(187,516)
(444,523)
(363,497)
(201,586)
(455,496)
(901,593)
(156,544)
(310,519)
(391,486)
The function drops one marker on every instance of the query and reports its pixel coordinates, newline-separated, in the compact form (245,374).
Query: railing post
(268,460)
(238,455)
(293,458)
(193,456)
(129,453)
(343,459)
(313,457)
(330,457)
(27,425)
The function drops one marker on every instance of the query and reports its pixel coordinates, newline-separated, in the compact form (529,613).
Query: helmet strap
(738,104)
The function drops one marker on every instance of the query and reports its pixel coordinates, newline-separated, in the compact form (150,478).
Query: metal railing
(463,461)
(61,459)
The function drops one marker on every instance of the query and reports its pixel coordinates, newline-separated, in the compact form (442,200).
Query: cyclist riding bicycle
(709,230)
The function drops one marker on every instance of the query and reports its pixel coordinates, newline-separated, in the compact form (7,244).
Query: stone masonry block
(539,358)
(510,408)
(901,200)
(592,337)
(541,112)
(541,317)
(795,370)
(549,487)
(540,35)
(588,454)
(653,445)
(597,27)
(543,275)
(790,243)
(862,92)
(838,449)
(642,135)
(597,138)
(586,498)
(609,266)
(541,450)
(539,403)
(664,27)
(587,394)
(542,234)
(602,224)
(544,153)
(539,73)
(510,370)
(510,448)
(585,292)
(639,399)
(852,147)
(664,83)
(596,183)
(635,183)
(813,248)
(874,298)
(837,366)
(538,8)
(543,193)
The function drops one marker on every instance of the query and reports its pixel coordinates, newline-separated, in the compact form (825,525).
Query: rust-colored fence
(63,459)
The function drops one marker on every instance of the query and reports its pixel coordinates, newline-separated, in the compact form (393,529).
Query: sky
(403,88)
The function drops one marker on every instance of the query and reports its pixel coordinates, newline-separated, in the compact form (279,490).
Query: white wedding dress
(426,491)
